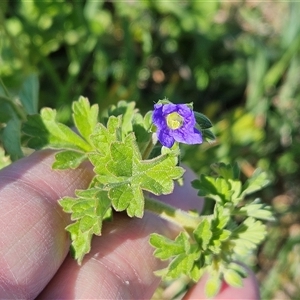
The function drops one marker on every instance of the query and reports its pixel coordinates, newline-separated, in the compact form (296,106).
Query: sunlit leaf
(45,130)
(88,211)
(126,181)
(85,117)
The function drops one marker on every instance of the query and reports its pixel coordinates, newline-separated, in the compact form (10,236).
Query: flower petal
(157,118)
(169,108)
(187,136)
(165,138)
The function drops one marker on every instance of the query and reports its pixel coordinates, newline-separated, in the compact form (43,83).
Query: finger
(249,291)
(119,266)
(33,242)
(121,262)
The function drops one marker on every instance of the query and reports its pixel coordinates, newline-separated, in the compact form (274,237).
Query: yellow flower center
(174,120)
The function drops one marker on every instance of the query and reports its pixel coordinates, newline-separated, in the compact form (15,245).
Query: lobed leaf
(203,234)
(247,236)
(68,159)
(217,189)
(88,211)
(226,171)
(255,183)
(85,117)
(182,264)
(122,172)
(257,210)
(44,131)
(167,248)
(127,111)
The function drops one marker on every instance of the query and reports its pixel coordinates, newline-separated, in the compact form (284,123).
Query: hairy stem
(148,149)
(173,214)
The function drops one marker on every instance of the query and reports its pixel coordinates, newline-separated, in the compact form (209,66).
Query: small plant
(137,156)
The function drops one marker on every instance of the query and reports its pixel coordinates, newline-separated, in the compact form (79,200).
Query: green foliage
(241,68)
(125,182)
(226,188)
(257,210)
(121,174)
(85,117)
(11,136)
(29,94)
(13,114)
(221,237)
(88,211)
(257,181)
(132,121)
(183,254)
(45,130)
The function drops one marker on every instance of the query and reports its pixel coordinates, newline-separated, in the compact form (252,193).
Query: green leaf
(197,270)
(141,130)
(226,171)
(122,172)
(81,241)
(148,120)
(85,117)
(29,94)
(133,121)
(184,255)
(203,233)
(11,136)
(88,210)
(257,210)
(6,110)
(68,159)
(182,264)
(44,130)
(222,189)
(217,189)
(222,216)
(247,236)
(255,183)
(202,120)
(102,137)
(236,188)
(233,278)
(166,248)
(208,135)
(240,269)
(126,110)
(212,285)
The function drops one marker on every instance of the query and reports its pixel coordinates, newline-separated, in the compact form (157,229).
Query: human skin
(34,246)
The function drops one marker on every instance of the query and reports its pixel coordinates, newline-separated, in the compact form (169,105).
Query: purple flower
(175,122)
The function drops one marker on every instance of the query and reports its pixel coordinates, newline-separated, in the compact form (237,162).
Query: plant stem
(173,214)
(148,149)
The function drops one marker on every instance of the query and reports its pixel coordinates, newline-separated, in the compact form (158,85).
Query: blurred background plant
(239,62)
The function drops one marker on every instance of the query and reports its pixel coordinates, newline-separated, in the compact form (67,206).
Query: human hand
(34,244)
